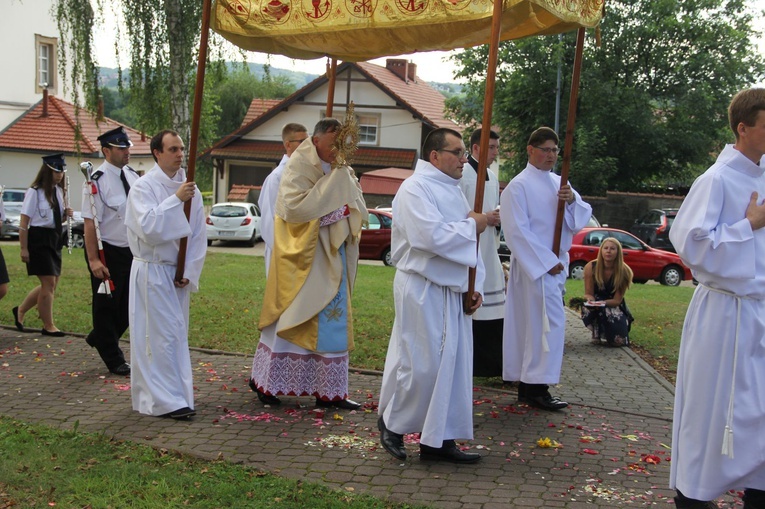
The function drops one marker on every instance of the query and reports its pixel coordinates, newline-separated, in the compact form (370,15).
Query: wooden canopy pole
(569,136)
(332,74)
(483,154)
(195,121)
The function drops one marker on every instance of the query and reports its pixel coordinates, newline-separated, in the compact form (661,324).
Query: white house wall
(19,23)
(18,170)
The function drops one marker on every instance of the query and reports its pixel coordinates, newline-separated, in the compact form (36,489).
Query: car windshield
(10,195)
(228,211)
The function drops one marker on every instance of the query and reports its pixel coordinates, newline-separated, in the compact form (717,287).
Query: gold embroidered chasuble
(306,265)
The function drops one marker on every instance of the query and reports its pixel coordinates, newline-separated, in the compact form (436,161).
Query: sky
(431,66)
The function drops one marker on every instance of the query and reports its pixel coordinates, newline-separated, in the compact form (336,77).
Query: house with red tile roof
(54,125)
(395,110)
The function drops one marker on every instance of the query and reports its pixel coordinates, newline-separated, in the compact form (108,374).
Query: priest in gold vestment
(306,320)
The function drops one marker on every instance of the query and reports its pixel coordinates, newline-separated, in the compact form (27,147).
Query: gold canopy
(360,30)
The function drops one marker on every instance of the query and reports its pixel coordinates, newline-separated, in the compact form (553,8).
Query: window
(45,65)
(374,222)
(594,238)
(627,241)
(368,128)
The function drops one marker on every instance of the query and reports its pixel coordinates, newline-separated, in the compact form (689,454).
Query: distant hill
(110,76)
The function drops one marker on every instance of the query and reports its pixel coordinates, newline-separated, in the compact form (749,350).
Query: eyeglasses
(297,141)
(457,152)
(546,150)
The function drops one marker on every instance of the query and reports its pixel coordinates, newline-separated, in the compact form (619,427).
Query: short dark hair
(326,125)
(542,135)
(156,141)
(744,108)
(475,138)
(436,140)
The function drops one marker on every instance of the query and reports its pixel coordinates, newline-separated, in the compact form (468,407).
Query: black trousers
(487,347)
(110,314)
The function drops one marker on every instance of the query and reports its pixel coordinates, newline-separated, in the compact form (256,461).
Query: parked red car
(375,238)
(646,262)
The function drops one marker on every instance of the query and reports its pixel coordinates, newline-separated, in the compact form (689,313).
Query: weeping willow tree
(162,40)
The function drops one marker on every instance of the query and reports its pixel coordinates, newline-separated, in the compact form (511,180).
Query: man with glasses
(427,385)
(534,314)
(487,320)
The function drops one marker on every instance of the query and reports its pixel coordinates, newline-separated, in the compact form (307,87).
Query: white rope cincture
(545,320)
(444,315)
(146,296)
(727,442)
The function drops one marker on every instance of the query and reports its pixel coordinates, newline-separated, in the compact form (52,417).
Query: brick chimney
(402,68)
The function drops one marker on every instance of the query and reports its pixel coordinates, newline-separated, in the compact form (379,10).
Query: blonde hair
(622,276)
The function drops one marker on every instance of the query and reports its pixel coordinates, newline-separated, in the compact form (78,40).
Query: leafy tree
(653,95)
(163,39)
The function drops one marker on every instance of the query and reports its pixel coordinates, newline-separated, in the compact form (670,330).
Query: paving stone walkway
(613,440)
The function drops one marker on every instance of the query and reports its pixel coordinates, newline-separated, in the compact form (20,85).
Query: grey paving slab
(612,442)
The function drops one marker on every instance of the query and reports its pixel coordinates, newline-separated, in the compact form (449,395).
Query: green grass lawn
(224,314)
(45,467)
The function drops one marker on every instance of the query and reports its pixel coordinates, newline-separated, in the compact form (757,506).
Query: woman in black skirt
(40,239)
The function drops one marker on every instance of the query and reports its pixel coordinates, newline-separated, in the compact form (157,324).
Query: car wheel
(209,242)
(386,258)
(672,275)
(254,239)
(576,270)
(78,240)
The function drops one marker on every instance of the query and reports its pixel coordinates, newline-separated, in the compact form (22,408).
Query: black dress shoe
(448,452)
(264,398)
(121,370)
(391,442)
(545,402)
(55,333)
(19,325)
(345,404)
(181,413)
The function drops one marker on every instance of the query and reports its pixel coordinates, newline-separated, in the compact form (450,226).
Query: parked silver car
(10,227)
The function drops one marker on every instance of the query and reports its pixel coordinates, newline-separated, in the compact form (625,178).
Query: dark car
(653,228)
(375,237)
(646,262)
